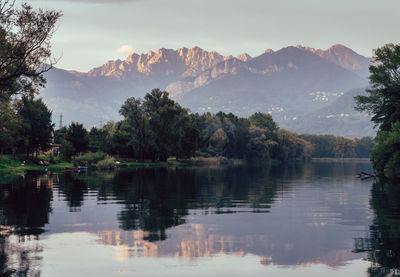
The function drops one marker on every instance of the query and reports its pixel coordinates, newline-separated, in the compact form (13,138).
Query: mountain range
(301,87)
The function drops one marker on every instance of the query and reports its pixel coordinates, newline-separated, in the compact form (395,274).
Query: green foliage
(328,146)
(67,150)
(59,135)
(120,140)
(10,127)
(78,136)
(291,147)
(386,154)
(383,100)
(100,140)
(344,148)
(383,103)
(323,145)
(157,127)
(364,146)
(90,158)
(106,164)
(36,125)
(264,121)
(260,145)
(137,124)
(222,134)
(98,160)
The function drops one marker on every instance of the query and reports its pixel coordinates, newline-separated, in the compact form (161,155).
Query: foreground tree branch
(25,52)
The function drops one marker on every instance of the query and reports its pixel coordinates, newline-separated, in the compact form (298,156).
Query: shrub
(106,164)
(90,159)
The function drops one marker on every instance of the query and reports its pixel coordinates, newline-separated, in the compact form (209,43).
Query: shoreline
(13,167)
(341,159)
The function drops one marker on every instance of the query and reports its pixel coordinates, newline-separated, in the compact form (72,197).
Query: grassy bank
(11,165)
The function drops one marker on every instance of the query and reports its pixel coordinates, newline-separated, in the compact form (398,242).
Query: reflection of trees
(24,210)
(160,198)
(25,206)
(157,199)
(383,244)
(73,189)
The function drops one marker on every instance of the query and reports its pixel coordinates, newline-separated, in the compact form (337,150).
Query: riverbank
(9,164)
(17,166)
(342,159)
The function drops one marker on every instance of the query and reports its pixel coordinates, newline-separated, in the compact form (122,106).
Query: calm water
(315,219)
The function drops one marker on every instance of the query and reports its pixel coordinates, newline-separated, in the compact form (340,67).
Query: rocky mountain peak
(179,63)
(244,57)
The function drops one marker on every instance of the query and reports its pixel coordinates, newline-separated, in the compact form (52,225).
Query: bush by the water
(99,160)
(107,163)
(90,159)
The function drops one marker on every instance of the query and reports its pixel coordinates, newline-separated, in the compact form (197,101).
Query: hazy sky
(94,31)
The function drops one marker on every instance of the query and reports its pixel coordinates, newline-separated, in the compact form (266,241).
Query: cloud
(126,49)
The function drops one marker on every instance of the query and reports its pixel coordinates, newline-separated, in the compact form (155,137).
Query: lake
(312,219)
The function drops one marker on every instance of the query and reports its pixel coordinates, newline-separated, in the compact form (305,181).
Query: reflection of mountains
(195,241)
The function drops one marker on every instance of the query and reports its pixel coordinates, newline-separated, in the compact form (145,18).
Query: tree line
(157,127)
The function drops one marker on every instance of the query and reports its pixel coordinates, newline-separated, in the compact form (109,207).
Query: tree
(10,123)
(99,140)
(259,145)
(24,48)
(162,113)
(323,145)
(77,135)
(364,146)
(383,103)
(386,154)
(383,99)
(291,147)
(158,127)
(344,148)
(264,121)
(37,126)
(138,125)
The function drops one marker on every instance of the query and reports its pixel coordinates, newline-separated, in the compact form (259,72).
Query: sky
(92,32)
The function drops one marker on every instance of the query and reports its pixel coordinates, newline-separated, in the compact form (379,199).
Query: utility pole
(61,121)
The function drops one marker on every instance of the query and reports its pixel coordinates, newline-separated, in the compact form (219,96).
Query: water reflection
(288,215)
(24,211)
(383,243)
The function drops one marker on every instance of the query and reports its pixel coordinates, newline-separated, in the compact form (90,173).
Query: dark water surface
(314,219)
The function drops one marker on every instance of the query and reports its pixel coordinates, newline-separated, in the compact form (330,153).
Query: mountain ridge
(287,83)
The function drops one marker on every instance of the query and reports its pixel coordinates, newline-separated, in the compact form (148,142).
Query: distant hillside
(285,83)
(338,118)
(288,83)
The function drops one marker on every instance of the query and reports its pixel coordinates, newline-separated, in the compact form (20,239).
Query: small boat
(82,167)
